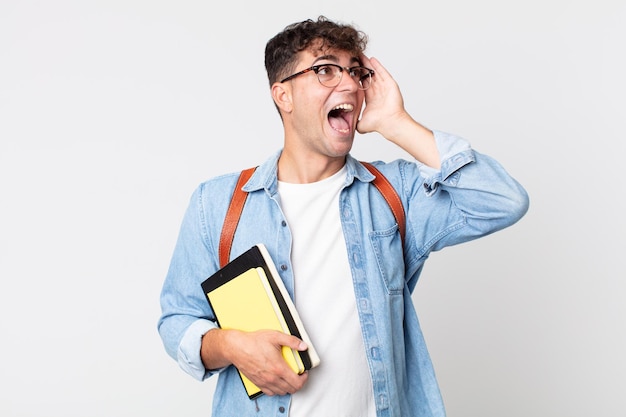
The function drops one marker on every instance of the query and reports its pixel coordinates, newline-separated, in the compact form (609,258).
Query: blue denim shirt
(469,197)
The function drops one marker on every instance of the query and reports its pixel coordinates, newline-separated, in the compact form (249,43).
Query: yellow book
(248,295)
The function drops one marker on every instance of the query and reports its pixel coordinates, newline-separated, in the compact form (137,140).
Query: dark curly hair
(281,51)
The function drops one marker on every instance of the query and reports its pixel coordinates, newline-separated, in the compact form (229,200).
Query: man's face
(323,119)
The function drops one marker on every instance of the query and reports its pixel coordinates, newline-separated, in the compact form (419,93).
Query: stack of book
(247,294)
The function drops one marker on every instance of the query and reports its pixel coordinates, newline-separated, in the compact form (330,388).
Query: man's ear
(281,93)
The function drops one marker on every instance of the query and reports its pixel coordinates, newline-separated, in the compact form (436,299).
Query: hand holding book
(258,355)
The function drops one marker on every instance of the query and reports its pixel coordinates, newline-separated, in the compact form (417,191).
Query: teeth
(344,107)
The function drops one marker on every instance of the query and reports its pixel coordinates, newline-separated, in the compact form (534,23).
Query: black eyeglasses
(329,75)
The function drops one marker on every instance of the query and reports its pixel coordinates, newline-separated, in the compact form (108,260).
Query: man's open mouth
(340,118)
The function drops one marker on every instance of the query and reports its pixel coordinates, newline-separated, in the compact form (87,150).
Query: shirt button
(283,223)
(283,267)
(281,409)
(375,353)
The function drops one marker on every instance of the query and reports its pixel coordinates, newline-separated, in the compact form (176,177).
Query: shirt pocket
(387,246)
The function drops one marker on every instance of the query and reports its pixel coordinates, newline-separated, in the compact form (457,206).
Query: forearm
(415,139)
(214,348)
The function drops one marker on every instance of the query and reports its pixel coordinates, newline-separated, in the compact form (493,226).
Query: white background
(111,112)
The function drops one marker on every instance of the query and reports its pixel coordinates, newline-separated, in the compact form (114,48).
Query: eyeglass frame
(315,69)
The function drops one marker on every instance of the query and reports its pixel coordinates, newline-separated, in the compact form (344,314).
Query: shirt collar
(266,174)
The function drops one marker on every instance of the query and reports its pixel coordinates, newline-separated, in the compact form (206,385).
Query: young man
(334,239)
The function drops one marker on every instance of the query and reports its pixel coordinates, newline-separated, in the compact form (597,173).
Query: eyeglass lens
(330,75)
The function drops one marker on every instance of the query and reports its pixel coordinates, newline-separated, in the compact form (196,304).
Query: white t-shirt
(341,385)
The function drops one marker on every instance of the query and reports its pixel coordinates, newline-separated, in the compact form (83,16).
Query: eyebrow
(333,58)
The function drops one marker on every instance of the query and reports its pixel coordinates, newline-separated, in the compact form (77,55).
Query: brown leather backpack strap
(232,216)
(390,195)
(239,198)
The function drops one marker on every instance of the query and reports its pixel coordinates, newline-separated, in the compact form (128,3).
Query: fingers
(259,357)
(282,379)
(275,385)
(290,341)
(380,72)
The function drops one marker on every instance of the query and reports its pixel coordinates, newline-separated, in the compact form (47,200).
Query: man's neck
(304,170)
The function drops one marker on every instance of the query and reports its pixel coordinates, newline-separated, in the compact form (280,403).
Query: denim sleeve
(470,196)
(185,312)
(454,153)
(188,355)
